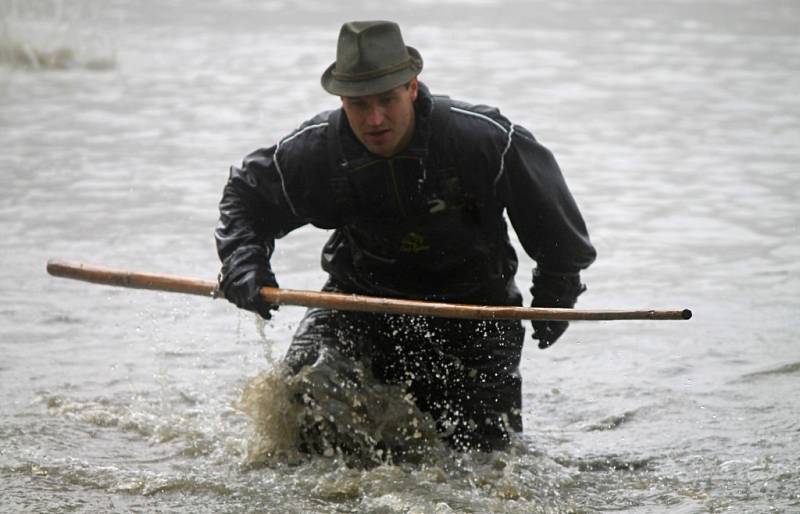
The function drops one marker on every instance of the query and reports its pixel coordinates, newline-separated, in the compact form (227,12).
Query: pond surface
(676,124)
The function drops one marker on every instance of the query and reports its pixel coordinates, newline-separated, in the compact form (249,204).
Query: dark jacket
(425,224)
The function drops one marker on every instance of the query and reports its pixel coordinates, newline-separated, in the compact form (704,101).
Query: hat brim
(371,86)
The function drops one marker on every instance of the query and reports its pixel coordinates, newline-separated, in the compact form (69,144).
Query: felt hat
(371,58)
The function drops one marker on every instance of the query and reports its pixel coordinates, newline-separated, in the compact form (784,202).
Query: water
(677,124)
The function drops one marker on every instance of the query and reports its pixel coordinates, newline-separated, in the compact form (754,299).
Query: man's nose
(376,116)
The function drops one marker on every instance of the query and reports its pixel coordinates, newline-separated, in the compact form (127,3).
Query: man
(415,187)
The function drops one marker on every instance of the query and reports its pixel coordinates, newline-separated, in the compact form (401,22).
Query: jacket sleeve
(254,211)
(541,208)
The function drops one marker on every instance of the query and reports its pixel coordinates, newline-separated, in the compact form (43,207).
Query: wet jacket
(427,223)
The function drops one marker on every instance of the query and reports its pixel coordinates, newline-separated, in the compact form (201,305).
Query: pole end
(686,314)
(52,266)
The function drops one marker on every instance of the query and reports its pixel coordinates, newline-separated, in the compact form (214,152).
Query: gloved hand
(551,289)
(242,289)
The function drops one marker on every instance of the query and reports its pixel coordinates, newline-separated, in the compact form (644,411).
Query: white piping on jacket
(503,155)
(278,164)
(509,131)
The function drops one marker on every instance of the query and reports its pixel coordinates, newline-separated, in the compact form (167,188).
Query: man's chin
(384,150)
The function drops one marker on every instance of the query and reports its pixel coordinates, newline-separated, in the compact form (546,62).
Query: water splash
(52,35)
(335,408)
(32,57)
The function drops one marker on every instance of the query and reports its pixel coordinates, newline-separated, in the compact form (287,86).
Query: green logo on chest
(413,243)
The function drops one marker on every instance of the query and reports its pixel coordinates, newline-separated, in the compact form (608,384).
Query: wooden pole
(349,302)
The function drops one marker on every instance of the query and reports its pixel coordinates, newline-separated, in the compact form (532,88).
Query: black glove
(242,289)
(551,289)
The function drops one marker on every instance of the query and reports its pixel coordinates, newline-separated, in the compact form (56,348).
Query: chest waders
(411,229)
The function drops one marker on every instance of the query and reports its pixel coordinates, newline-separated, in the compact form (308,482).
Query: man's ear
(414,88)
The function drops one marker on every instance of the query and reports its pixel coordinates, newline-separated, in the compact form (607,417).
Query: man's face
(384,123)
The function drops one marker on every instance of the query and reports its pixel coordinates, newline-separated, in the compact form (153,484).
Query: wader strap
(440,118)
(342,191)
(446,178)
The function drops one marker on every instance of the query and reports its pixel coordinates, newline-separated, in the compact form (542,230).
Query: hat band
(349,77)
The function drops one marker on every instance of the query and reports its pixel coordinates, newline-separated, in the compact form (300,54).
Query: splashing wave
(336,408)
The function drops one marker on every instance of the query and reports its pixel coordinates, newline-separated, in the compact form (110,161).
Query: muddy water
(676,125)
